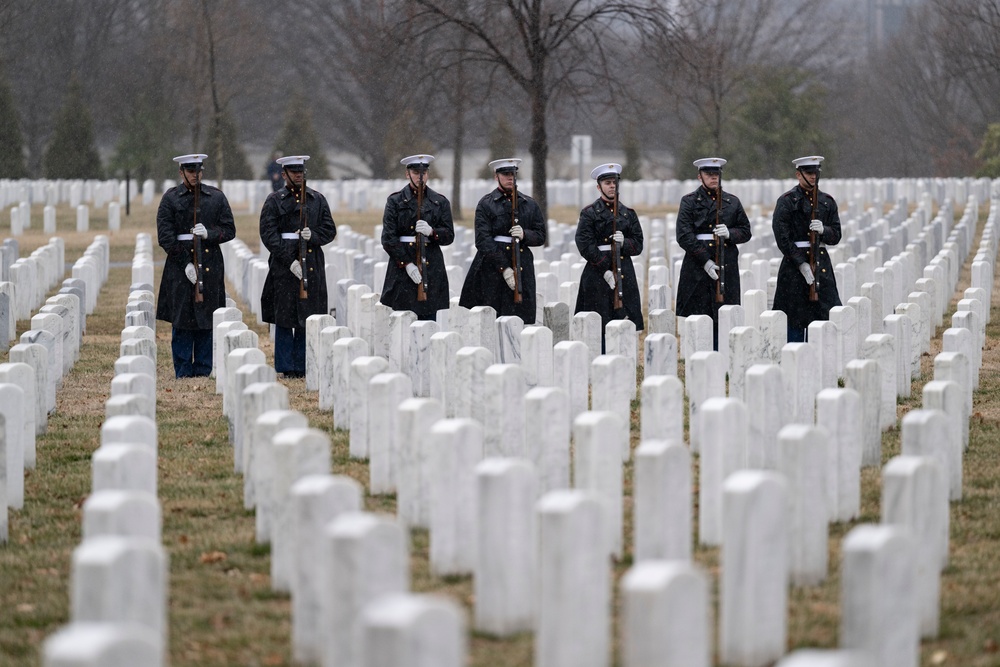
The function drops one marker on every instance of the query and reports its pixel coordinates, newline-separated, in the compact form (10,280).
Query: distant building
(886,19)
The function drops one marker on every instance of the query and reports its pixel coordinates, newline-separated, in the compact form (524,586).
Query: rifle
(814,242)
(720,250)
(421,243)
(304,281)
(199,284)
(617,303)
(515,246)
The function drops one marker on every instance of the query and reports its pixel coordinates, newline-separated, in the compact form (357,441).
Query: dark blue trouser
(289,350)
(796,335)
(192,351)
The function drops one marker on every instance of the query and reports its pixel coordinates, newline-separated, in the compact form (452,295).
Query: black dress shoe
(293,375)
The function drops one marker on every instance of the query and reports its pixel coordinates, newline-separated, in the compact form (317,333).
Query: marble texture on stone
(662,501)
(455,448)
(803,461)
(574,582)
(316,500)
(598,436)
(660,355)
(915,497)
(362,370)
(415,417)
(839,411)
(365,558)
(571,372)
(470,377)
(661,414)
(386,391)
(753,584)
(864,376)
(879,606)
(505,574)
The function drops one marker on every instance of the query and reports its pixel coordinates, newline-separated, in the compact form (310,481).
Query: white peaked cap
(416,159)
(808,161)
(290,160)
(190,158)
(505,163)
(606,169)
(710,163)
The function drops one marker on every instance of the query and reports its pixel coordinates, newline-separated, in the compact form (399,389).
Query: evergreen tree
(298,137)
(233,159)
(778,120)
(632,169)
(145,148)
(11,141)
(71,152)
(502,144)
(989,152)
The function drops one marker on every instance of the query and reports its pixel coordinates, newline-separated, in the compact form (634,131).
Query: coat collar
(284,193)
(409,195)
(205,190)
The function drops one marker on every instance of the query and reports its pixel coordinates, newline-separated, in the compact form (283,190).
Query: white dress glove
(424,227)
(721,231)
(508,275)
(712,269)
(618,237)
(191,274)
(516,232)
(296,269)
(413,272)
(816,226)
(609,278)
(806,273)
(306,234)
(199,230)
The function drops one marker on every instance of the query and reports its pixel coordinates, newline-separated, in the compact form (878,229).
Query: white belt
(290,235)
(407,239)
(185,237)
(603,248)
(805,244)
(503,239)
(705,237)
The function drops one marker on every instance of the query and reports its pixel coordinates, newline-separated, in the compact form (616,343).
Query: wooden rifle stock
(615,266)
(720,250)
(303,251)
(515,246)
(199,282)
(814,242)
(421,244)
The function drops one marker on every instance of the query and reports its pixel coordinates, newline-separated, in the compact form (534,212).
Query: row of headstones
(29,380)
(20,218)
(26,280)
(605,471)
(358,365)
(362,194)
(327,565)
(72,192)
(946,394)
(119,575)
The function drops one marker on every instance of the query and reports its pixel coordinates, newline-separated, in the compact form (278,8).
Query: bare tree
(721,46)
(362,70)
(547,48)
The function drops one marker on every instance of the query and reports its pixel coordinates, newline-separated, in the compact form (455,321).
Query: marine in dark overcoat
(485,284)
(593,239)
(279,219)
(696,225)
(399,239)
(175,218)
(790,223)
